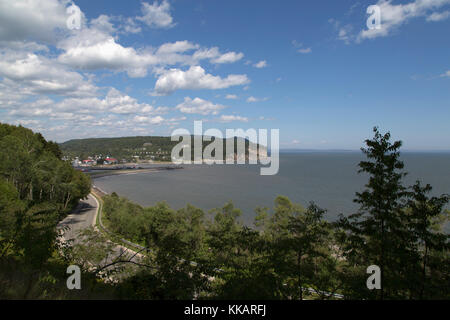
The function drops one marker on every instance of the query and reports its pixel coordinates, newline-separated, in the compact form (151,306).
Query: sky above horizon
(312,69)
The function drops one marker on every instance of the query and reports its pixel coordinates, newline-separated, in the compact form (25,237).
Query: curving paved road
(85,216)
(82,217)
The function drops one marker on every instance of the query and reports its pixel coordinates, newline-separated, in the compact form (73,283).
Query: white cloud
(229,118)
(253,99)
(42,64)
(38,108)
(103,23)
(345,33)
(149,120)
(438,16)
(94,46)
(446,74)
(228,57)
(265,118)
(394,15)
(206,53)
(231,97)
(36,19)
(92,49)
(95,49)
(260,64)
(115,102)
(214,56)
(176,47)
(35,74)
(194,78)
(26,122)
(300,47)
(130,26)
(157,15)
(199,106)
(23,46)
(304,50)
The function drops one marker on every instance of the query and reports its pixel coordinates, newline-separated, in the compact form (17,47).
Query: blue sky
(311,69)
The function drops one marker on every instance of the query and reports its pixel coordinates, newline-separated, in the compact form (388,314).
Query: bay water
(330,179)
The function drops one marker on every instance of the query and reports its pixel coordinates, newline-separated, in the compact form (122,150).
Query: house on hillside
(111,161)
(88,162)
(76,162)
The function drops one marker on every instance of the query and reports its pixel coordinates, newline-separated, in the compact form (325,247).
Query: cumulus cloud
(117,102)
(253,99)
(231,97)
(299,46)
(114,102)
(215,56)
(41,107)
(94,46)
(23,46)
(157,15)
(43,70)
(304,50)
(149,120)
(26,122)
(438,16)
(446,74)
(92,49)
(229,118)
(35,74)
(176,47)
(36,20)
(395,15)
(103,23)
(199,106)
(260,64)
(95,49)
(130,26)
(194,78)
(344,31)
(228,57)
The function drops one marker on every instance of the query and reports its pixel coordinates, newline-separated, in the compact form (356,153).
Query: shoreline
(129,171)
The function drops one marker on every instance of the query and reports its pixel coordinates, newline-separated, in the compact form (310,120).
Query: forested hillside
(37,189)
(121,148)
(156,148)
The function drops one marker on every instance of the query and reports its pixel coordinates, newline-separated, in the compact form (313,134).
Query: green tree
(298,249)
(376,234)
(429,273)
(36,190)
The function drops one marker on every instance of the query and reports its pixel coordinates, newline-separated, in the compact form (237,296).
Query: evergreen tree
(376,234)
(429,274)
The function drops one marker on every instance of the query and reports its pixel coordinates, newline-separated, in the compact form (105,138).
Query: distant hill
(132,148)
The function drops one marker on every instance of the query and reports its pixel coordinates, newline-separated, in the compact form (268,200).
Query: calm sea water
(330,179)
